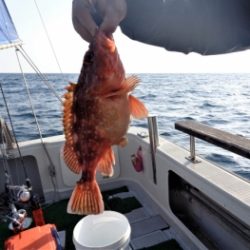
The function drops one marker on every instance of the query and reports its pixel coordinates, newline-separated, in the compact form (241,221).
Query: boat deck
(149,229)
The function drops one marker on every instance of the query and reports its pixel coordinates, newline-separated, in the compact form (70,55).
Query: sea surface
(218,100)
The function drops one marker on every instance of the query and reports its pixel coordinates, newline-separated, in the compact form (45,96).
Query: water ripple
(218,100)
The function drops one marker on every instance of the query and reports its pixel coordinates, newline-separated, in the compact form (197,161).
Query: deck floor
(148,229)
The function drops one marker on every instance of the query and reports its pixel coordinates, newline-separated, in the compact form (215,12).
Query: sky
(70,48)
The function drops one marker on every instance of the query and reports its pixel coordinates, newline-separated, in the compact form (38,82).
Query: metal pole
(192,156)
(192,148)
(154,142)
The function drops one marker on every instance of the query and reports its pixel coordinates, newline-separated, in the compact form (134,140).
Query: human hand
(85,14)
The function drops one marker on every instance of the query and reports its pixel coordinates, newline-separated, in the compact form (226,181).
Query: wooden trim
(234,143)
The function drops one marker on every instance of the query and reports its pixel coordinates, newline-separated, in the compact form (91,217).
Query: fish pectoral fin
(71,159)
(106,163)
(127,86)
(137,108)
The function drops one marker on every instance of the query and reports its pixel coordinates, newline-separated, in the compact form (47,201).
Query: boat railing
(154,141)
(234,143)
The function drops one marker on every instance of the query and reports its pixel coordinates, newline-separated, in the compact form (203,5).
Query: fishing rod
(15,193)
(14,134)
(23,193)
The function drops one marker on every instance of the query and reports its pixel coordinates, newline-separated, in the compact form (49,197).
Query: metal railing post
(192,148)
(154,142)
(192,156)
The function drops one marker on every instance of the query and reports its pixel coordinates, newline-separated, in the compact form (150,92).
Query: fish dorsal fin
(106,163)
(138,109)
(127,86)
(70,156)
(131,82)
(67,113)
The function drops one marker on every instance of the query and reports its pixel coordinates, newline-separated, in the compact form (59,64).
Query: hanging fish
(97,113)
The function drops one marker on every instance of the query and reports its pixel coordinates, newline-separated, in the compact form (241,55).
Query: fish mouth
(105,42)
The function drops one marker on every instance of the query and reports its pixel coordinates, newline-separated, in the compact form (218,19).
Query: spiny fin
(105,165)
(67,113)
(71,87)
(85,199)
(71,159)
(128,85)
(69,155)
(138,110)
(131,83)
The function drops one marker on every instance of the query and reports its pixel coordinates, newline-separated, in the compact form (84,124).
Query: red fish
(97,113)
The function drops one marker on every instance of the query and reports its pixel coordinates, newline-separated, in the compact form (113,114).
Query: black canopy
(204,26)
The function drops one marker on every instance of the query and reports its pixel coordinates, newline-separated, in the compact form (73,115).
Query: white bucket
(109,230)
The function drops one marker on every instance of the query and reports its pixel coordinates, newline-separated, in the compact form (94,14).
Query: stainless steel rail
(234,143)
(154,142)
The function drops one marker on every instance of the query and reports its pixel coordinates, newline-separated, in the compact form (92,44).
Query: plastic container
(108,230)
(37,238)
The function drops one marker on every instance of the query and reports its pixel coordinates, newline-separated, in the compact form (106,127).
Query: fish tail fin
(105,165)
(71,159)
(138,109)
(86,198)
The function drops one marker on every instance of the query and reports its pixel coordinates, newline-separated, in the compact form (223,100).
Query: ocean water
(218,100)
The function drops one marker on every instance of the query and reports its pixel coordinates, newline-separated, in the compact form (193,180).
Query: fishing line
(14,133)
(48,36)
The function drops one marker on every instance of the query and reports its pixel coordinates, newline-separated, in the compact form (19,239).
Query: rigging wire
(51,166)
(48,37)
(39,73)
(13,131)
(20,49)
